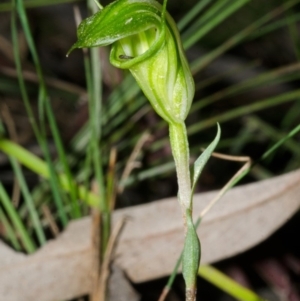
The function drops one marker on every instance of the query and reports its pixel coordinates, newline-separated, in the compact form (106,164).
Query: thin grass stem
(226,284)
(29,202)
(35,3)
(274,77)
(11,212)
(40,135)
(9,232)
(221,12)
(189,16)
(277,24)
(39,166)
(257,106)
(75,212)
(202,62)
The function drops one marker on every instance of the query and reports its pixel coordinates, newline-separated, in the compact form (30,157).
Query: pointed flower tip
(71,49)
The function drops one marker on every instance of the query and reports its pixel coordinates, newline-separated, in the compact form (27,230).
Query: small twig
(9,121)
(230,157)
(11,128)
(78,19)
(16,193)
(96,238)
(51,82)
(112,179)
(6,48)
(230,182)
(77,15)
(49,218)
(140,113)
(132,161)
(164,293)
(98,5)
(104,273)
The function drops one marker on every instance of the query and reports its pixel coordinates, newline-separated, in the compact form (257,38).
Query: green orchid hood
(146,41)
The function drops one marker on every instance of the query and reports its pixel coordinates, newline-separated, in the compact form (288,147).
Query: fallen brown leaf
(151,241)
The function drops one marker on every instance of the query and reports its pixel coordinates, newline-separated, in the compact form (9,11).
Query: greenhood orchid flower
(146,41)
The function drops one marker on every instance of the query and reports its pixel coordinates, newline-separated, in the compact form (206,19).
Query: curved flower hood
(146,41)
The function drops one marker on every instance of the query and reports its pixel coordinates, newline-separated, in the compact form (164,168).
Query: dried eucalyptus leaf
(152,239)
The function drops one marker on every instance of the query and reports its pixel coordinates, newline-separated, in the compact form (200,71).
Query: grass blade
(202,62)
(39,166)
(189,16)
(221,11)
(257,106)
(29,202)
(35,3)
(226,284)
(11,212)
(10,233)
(75,212)
(43,98)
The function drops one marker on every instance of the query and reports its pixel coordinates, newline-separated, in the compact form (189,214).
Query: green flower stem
(180,150)
(191,250)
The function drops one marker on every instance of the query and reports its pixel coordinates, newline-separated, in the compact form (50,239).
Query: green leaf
(203,158)
(191,254)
